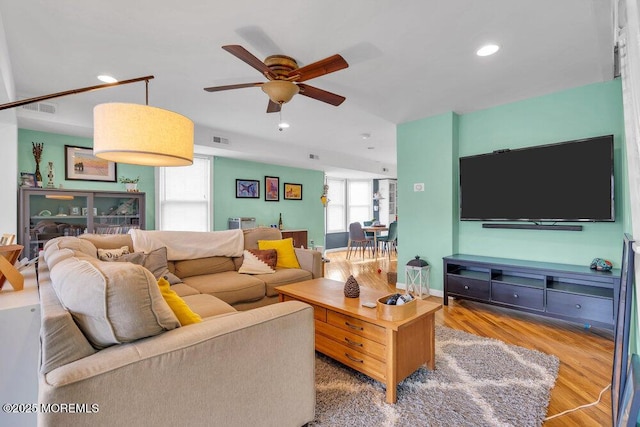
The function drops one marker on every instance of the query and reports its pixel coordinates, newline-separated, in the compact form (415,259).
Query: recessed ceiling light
(488,49)
(107,79)
(365,135)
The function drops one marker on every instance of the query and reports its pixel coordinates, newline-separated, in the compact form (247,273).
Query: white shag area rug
(477,382)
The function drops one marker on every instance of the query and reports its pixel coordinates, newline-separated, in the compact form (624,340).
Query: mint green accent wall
(53,151)
(307,213)
(428,152)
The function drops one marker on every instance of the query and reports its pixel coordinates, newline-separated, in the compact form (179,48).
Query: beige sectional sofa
(114,353)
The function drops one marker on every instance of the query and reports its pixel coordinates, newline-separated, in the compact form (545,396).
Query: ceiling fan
(285,77)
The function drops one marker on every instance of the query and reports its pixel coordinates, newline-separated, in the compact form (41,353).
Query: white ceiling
(408,60)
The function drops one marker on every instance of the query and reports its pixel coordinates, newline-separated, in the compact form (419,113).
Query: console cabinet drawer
(580,306)
(468,287)
(521,296)
(357,326)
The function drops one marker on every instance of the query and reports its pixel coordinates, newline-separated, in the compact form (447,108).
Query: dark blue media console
(570,292)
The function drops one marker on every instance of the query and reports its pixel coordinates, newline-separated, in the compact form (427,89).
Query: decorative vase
(132,187)
(50,183)
(37,155)
(351,288)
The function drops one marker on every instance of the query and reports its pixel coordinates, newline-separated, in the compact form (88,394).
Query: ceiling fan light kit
(285,77)
(280,91)
(142,135)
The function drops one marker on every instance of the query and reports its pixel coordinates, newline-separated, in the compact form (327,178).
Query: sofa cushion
(283,276)
(252,264)
(180,308)
(108,241)
(80,247)
(252,235)
(155,261)
(230,286)
(112,303)
(286,254)
(208,305)
(184,290)
(200,266)
(62,341)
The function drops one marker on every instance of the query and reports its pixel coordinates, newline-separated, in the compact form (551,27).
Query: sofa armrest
(311,261)
(200,373)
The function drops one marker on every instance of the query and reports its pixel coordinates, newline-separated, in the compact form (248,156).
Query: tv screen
(568,181)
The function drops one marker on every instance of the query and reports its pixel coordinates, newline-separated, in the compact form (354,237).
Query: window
(184,197)
(349,201)
(360,196)
(336,211)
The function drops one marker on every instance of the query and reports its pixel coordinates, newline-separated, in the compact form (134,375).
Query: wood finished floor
(585,354)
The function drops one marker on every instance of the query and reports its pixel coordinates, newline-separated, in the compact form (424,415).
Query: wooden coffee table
(353,335)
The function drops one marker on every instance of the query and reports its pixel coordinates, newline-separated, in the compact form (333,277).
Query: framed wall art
(247,189)
(292,191)
(271,188)
(28,179)
(81,165)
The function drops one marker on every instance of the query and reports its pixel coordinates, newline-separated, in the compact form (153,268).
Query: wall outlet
(418,186)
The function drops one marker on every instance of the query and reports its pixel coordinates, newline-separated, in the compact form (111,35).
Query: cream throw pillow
(254,265)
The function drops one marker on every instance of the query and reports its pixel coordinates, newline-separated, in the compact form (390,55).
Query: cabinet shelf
(569,292)
(520,281)
(572,288)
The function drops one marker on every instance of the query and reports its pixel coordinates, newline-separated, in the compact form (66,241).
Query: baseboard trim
(432,292)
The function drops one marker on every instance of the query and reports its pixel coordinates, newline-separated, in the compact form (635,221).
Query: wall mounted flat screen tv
(567,181)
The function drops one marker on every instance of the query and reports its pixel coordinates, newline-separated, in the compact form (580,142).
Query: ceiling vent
(314,156)
(41,107)
(220,140)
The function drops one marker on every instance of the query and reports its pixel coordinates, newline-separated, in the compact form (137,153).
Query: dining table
(375,229)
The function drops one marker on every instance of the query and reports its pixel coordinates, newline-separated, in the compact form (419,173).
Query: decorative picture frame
(28,180)
(81,165)
(271,188)
(247,189)
(292,191)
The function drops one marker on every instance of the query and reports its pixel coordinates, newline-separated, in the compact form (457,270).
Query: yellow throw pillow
(286,255)
(180,308)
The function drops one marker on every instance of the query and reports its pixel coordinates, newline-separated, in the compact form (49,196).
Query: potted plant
(131,184)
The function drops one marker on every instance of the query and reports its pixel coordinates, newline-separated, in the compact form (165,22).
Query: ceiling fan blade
(321,95)
(246,56)
(319,68)
(227,87)
(273,107)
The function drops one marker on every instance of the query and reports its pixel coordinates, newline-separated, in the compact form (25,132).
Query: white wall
(8,144)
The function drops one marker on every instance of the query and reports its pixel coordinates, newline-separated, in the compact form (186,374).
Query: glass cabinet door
(117,213)
(50,215)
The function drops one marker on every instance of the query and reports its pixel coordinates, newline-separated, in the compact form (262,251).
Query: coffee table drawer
(353,341)
(350,357)
(357,326)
